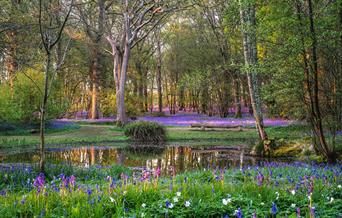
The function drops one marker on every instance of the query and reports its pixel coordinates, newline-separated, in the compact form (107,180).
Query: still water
(168,158)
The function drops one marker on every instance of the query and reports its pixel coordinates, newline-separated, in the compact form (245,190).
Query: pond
(170,159)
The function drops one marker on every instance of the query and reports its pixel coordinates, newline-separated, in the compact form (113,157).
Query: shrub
(143,131)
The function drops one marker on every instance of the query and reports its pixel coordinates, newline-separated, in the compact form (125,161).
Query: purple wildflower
(89,191)
(23,200)
(260,178)
(312,211)
(145,175)
(3,192)
(298,211)
(72,180)
(239,213)
(39,182)
(274,209)
(157,172)
(167,203)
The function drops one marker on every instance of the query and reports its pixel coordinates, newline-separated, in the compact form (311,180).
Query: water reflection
(169,158)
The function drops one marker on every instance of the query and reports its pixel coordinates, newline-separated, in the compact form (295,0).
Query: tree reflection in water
(168,158)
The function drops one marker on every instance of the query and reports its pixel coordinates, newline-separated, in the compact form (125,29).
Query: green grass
(23,130)
(84,134)
(91,133)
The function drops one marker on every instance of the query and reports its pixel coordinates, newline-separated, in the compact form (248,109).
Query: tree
(50,35)
(248,22)
(312,85)
(159,72)
(125,33)
(93,18)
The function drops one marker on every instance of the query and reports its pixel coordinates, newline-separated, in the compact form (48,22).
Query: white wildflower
(175,199)
(224,201)
(187,203)
(178,194)
(112,199)
(170,205)
(293,192)
(331,199)
(293,205)
(143,205)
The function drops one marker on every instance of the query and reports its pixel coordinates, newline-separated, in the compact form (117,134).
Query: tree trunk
(141,90)
(151,97)
(247,16)
(339,80)
(159,79)
(317,117)
(94,112)
(10,59)
(237,98)
(120,95)
(145,92)
(43,113)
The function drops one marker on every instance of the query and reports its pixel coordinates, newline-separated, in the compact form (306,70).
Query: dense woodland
(171,108)
(104,58)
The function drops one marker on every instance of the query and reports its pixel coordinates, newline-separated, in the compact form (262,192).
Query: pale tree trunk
(135,17)
(120,60)
(247,17)
(121,112)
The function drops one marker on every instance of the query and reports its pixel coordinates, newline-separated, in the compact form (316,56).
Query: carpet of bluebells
(190,118)
(186,119)
(267,190)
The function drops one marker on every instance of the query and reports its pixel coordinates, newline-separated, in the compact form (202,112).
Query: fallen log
(204,126)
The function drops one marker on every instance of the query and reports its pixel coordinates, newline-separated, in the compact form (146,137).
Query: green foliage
(21,105)
(143,131)
(108,104)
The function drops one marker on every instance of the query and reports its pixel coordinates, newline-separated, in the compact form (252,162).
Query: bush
(143,131)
